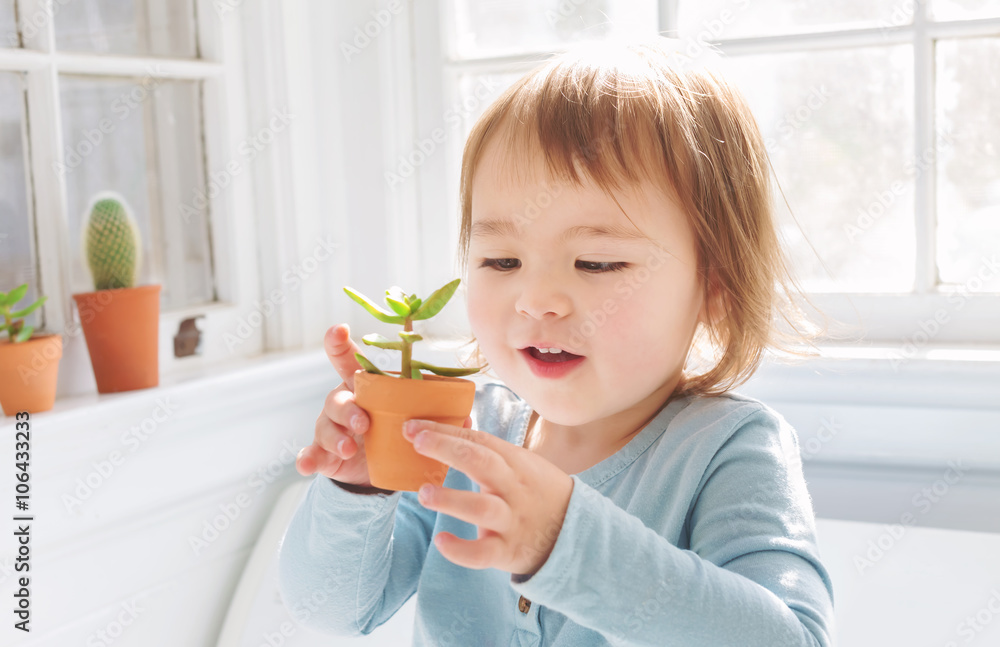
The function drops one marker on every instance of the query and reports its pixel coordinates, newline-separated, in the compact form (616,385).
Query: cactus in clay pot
(112,245)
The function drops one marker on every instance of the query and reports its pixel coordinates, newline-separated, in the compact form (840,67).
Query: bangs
(592,120)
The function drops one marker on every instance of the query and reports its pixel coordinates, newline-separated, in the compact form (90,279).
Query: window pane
(838,126)
(141,138)
(492,27)
(709,20)
(136,27)
(968,93)
(8,25)
(964,9)
(17,261)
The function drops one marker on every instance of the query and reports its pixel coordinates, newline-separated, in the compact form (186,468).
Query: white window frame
(234,243)
(886,321)
(896,319)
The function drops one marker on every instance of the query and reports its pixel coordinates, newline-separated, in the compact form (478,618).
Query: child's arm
(343,550)
(752,576)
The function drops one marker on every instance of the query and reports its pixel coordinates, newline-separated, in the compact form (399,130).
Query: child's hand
(520,506)
(340,421)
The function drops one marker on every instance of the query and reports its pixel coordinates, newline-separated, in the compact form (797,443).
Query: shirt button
(524,604)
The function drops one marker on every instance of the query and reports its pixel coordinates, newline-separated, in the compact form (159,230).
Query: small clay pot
(393,464)
(122,330)
(29,371)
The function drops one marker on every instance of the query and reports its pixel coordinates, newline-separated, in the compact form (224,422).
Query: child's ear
(713,307)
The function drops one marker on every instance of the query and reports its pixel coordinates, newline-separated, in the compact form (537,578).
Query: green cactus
(112,245)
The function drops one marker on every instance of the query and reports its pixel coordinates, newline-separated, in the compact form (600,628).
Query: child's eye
(595,267)
(501,264)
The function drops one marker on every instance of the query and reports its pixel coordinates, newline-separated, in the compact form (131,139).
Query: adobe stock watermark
(828,430)
(924,501)
(132,438)
(534,206)
(230,511)
(226,7)
(973,625)
(37,21)
(407,164)
(880,204)
(49,351)
(293,278)
(901,13)
(366,34)
(794,119)
(930,327)
(625,287)
(122,107)
(110,633)
(712,29)
(248,150)
(303,610)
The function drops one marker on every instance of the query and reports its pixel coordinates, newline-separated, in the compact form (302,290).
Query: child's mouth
(550,365)
(561,356)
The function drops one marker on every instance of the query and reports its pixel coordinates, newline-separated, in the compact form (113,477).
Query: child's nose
(542,298)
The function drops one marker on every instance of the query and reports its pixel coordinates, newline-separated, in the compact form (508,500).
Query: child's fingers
(340,407)
(305,462)
(315,459)
(332,438)
(340,348)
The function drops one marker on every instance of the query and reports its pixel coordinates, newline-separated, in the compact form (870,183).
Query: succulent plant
(405,309)
(112,244)
(15,328)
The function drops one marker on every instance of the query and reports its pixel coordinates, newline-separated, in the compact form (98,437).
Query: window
(878,117)
(143,98)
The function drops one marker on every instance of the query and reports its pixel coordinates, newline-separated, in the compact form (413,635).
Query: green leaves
(375,311)
(14,295)
(401,308)
(13,322)
(406,308)
(436,301)
(368,366)
(375,339)
(449,372)
(27,311)
(25,334)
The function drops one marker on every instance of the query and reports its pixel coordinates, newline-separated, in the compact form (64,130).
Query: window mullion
(926,278)
(667,17)
(47,191)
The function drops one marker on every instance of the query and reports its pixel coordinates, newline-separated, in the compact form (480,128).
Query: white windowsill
(947,375)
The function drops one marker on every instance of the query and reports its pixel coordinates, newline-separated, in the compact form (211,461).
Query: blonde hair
(644,110)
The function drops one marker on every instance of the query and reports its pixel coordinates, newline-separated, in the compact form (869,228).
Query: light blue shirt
(699,532)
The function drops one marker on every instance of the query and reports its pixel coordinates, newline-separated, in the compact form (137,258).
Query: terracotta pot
(122,329)
(28,374)
(393,464)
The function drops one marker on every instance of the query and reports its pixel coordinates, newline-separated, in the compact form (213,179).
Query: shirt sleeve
(349,561)
(752,576)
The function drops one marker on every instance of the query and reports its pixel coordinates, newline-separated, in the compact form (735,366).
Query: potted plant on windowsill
(392,397)
(120,321)
(29,363)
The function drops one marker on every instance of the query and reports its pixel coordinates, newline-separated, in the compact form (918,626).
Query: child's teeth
(549,350)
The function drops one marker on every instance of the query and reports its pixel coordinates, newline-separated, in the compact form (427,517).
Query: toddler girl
(623,275)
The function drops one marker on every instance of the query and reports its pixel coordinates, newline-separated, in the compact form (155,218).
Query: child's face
(633,327)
